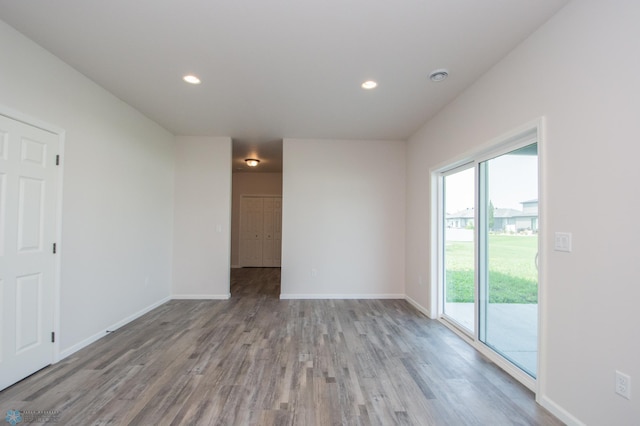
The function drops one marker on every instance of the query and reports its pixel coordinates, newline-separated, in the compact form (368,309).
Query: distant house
(504,220)
(528,218)
(461,219)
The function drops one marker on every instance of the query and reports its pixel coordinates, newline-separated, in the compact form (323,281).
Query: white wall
(118,191)
(249,184)
(201,249)
(343,216)
(580,71)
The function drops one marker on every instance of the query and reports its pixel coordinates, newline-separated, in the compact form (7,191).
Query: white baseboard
(201,296)
(419,307)
(559,412)
(340,296)
(89,340)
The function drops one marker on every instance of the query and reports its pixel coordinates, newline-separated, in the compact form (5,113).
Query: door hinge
(57,160)
(53,337)
(54,248)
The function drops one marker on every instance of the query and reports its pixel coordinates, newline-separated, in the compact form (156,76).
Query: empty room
(322,212)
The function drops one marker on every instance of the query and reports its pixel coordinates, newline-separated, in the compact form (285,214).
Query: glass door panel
(458,250)
(508,278)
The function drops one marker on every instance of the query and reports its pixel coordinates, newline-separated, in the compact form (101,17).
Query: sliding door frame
(532,132)
(441,240)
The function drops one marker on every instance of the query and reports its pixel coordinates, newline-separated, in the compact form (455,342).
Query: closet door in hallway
(272,221)
(260,230)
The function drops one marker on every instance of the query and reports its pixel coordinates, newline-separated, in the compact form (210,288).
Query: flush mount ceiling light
(192,79)
(438,75)
(369,84)
(252,162)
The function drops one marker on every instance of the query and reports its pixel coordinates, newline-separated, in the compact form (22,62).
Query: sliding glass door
(459,246)
(489,251)
(508,310)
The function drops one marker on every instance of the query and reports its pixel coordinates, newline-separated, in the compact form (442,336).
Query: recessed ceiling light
(439,75)
(252,162)
(191,79)
(369,84)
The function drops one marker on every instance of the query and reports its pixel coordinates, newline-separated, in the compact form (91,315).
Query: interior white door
(277,232)
(251,231)
(268,247)
(260,231)
(272,232)
(28,185)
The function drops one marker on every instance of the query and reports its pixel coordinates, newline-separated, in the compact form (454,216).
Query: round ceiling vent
(438,75)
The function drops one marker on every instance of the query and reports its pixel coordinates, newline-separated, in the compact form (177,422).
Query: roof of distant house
(497,213)
(504,213)
(461,214)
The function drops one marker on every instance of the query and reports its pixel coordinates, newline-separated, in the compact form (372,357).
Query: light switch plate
(562,241)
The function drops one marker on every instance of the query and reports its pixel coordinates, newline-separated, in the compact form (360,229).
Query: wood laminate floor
(258,360)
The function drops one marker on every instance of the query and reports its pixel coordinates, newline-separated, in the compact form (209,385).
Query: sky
(512,179)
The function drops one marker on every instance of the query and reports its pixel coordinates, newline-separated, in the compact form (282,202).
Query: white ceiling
(272,69)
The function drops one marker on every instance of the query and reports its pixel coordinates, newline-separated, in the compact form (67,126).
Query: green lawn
(513,277)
